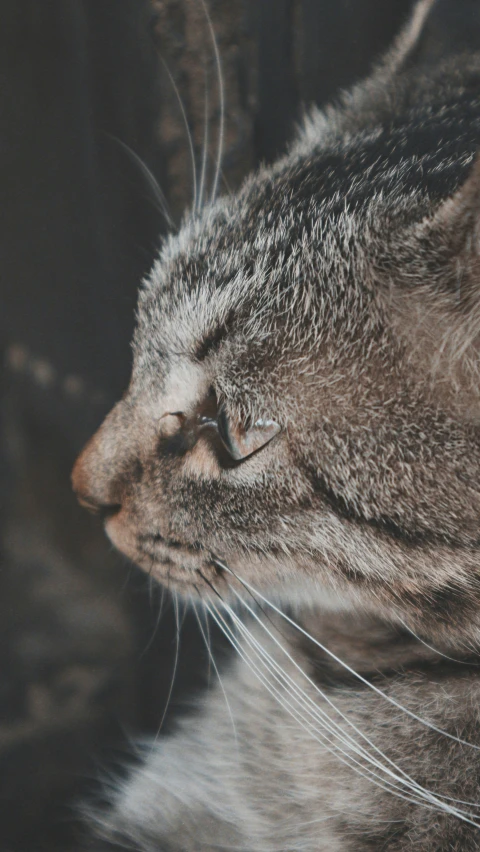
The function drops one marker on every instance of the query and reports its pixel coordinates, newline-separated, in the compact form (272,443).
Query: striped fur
(336,294)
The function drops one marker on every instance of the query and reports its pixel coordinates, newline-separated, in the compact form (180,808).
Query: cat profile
(299,452)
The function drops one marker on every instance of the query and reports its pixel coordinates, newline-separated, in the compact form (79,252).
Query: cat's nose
(88,497)
(96,476)
(90,484)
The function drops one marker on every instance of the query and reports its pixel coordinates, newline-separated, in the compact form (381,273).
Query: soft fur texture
(337,296)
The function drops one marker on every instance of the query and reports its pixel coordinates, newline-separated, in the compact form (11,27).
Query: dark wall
(76,234)
(309,50)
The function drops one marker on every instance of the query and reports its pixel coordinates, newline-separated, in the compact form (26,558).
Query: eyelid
(204,421)
(241,443)
(265,424)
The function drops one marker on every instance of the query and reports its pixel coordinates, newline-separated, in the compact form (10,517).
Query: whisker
(348,668)
(184,614)
(152,589)
(221,89)
(338,753)
(150,178)
(175,666)
(335,728)
(220,681)
(206,633)
(435,650)
(277,694)
(211,586)
(207,628)
(427,798)
(205,143)
(128,576)
(399,785)
(187,130)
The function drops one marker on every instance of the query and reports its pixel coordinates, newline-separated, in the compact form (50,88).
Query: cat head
(304,401)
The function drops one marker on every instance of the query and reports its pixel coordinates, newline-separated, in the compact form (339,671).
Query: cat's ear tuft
(406,44)
(446,246)
(435,298)
(437,30)
(456,223)
(463,208)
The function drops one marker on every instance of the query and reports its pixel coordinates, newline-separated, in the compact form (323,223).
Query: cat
(298,452)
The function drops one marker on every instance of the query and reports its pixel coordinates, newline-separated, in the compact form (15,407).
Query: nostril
(88,504)
(104,510)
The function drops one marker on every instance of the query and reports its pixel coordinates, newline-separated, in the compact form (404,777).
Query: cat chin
(198,573)
(183,568)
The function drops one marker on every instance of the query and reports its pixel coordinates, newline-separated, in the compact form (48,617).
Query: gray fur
(338,295)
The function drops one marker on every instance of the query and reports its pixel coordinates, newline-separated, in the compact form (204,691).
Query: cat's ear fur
(406,42)
(457,220)
(436,295)
(437,30)
(446,245)
(447,242)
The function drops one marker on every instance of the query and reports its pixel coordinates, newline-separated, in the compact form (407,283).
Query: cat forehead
(285,261)
(291,236)
(224,274)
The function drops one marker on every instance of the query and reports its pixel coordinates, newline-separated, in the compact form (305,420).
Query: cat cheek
(170,424)
(201,462)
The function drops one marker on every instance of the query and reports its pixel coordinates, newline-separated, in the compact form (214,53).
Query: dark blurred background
(87,88)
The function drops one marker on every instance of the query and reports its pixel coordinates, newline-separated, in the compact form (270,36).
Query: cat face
(303,406)
(204,449)
(275,422)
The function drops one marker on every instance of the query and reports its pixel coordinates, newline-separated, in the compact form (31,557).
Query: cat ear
(406,42)
(455,226)
(437,29)
(443,253)
(435,297)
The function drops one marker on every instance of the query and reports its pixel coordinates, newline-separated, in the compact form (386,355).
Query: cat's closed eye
(241,442)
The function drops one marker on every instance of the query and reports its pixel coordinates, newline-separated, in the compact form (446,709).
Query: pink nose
(89,485)
(96,476)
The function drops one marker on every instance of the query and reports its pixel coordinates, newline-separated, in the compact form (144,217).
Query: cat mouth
(167,560)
